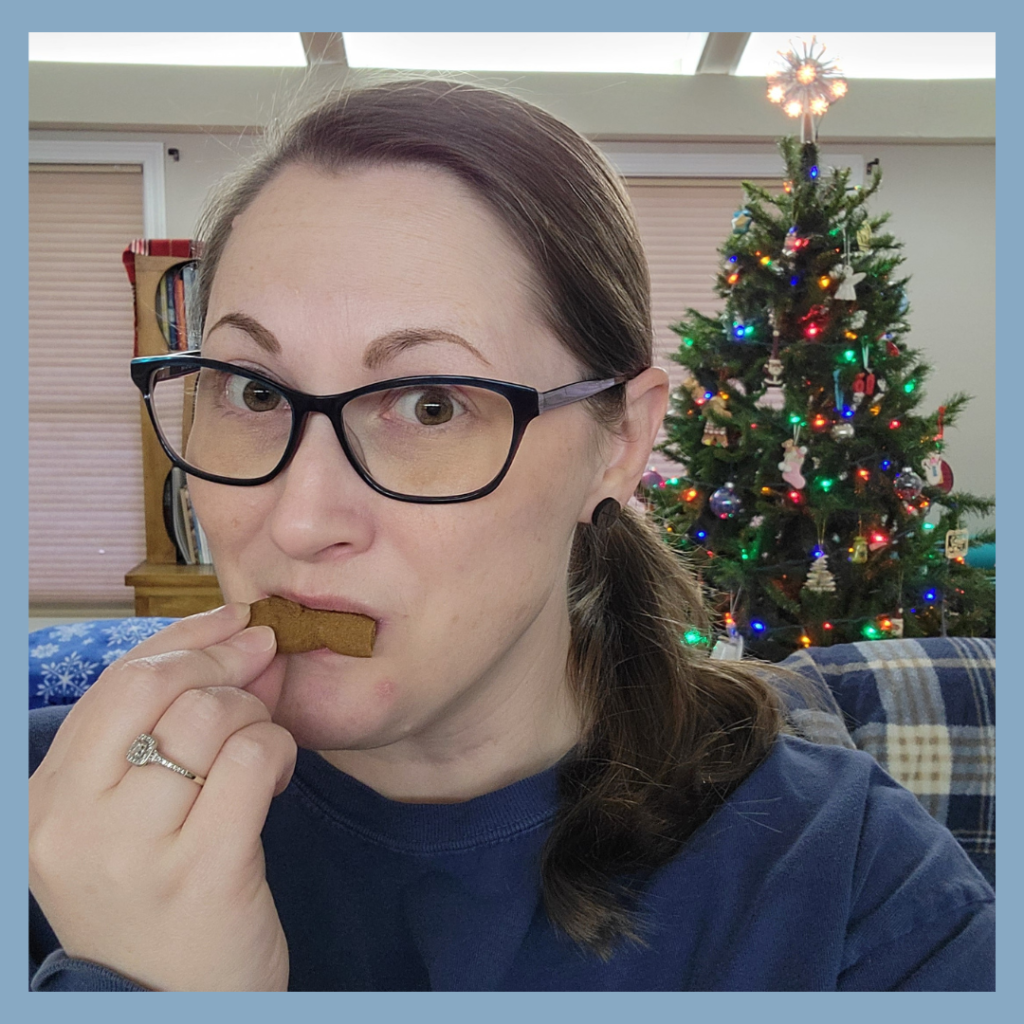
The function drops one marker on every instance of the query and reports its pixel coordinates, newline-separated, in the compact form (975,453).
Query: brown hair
(670,733)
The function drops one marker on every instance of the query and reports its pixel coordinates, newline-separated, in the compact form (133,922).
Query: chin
(335,702)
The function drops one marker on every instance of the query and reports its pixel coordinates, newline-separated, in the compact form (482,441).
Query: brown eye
(434,407)
(253,395)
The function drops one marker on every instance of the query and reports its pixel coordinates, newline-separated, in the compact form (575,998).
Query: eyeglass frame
(527,404)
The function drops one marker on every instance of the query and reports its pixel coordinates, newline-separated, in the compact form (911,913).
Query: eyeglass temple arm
(558,397)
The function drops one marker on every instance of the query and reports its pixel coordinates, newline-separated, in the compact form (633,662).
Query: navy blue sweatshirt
(818,873)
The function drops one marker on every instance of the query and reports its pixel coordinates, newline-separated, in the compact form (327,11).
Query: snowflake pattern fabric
(64,661)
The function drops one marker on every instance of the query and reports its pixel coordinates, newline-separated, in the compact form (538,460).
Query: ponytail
(669,733)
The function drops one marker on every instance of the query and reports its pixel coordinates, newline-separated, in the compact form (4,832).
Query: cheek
(231,518)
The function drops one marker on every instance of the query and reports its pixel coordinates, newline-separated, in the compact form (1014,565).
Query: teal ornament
(741,221)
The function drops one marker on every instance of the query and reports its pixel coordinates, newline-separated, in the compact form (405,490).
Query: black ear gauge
(606,513)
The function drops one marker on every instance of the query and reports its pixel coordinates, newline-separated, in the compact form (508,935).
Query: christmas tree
(813,498)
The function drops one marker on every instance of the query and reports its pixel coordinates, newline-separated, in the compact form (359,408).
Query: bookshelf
(162,585)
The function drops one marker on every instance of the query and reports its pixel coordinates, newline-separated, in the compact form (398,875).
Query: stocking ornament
(792,462)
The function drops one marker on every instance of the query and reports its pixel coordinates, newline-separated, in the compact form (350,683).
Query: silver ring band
(143,751)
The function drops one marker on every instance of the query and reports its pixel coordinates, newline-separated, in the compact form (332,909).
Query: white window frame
(149,154)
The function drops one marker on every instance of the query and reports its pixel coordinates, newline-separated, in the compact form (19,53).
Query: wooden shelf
(174,590)
(162,586)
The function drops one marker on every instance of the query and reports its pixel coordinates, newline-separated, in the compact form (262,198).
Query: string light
(688,342)
(826,485)
(766,261)
(824,282)
(693,636)
(701,534)
(757,626)
(819,422)
(850,356)
(794,419)
(690,494)
(909,386)
(871,632)
(929,595)
(805,640)
(864,474)
(733,277)
(826,625)
(895,424)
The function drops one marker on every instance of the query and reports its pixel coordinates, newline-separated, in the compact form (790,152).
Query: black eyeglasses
(433,439)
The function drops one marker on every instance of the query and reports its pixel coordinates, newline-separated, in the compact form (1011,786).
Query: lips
(330,603)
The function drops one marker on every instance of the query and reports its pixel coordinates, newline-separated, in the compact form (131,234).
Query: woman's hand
(141,869)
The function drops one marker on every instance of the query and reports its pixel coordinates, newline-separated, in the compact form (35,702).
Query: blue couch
(924,709)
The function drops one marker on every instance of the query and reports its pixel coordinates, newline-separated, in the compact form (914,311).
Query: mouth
(329,603)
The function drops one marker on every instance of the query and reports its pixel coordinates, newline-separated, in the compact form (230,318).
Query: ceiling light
(235,49)
(883,54)
(655,53)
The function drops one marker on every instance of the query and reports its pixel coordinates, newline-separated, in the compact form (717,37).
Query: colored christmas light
(757,626)
(894,424)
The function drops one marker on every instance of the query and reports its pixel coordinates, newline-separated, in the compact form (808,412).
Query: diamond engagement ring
(143,751)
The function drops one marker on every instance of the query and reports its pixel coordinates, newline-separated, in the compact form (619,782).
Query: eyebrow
(263,337)
(383,349)
(380,351)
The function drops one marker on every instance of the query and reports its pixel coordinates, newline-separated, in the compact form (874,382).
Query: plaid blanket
(925,710)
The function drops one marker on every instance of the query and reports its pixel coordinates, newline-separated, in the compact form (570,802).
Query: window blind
(683,222)
(86,526)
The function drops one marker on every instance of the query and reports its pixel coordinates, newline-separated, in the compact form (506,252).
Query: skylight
(884,54)
(227,49)
(660,53)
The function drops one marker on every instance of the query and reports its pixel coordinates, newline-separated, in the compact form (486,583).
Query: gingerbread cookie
(299,628)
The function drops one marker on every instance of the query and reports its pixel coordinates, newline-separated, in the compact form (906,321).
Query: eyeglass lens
(426,440)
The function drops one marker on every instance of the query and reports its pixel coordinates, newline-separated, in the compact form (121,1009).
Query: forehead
(375,249)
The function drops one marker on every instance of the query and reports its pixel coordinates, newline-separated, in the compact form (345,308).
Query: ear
(629,448)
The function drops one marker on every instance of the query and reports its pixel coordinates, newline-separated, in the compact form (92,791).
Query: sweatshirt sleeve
(922,917)
(62,973)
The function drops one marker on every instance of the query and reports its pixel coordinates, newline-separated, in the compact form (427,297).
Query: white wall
(935,142)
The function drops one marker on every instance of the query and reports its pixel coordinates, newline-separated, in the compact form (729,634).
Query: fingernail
(256,639)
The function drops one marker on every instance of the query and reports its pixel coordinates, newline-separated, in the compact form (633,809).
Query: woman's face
(469,598)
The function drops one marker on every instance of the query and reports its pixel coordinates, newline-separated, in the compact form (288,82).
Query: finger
(137,693)
(193,633)
(252,767)
(190,733)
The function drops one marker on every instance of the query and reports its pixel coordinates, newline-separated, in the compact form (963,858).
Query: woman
(531,784)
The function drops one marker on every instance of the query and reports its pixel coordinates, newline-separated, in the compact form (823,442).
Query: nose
(323,506)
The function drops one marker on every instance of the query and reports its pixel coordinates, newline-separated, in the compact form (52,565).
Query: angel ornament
(848,280)
(773,398)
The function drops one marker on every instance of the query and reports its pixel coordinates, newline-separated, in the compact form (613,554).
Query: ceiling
(883,55)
